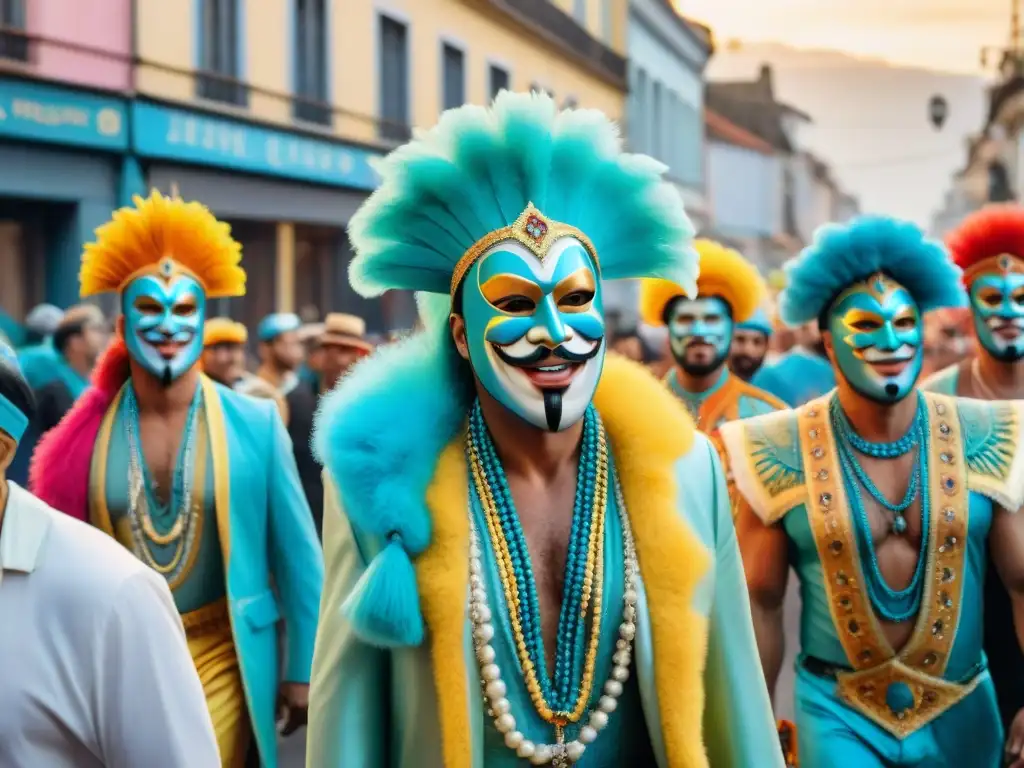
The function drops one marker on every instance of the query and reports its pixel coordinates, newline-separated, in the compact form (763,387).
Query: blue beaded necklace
(892,605)
(561,690)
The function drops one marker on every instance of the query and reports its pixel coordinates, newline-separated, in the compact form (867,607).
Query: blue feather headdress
(381,431)
(842,255)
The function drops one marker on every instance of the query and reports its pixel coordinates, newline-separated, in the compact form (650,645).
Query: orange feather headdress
(165,236)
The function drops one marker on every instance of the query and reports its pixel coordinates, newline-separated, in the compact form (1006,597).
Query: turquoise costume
(778,462)
(729,398)
(232,535)
(255,526)
(860,702)
(946,381)
(796,377)
(505,215)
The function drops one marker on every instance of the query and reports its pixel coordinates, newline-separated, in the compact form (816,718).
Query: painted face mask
(535,329)
(163,321)
(700,333)
(877,337)
(997,303)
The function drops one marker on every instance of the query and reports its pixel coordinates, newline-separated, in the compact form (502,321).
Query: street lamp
(938,110)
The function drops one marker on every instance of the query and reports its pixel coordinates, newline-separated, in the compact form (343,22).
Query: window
(640,127)
(393,69)
(220,57)
(579,11)
(498,80)
(13,42)
(453,63)
(309,50)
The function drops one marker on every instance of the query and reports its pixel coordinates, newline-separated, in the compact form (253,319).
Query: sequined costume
(234,516)
(861,703)
(429,652)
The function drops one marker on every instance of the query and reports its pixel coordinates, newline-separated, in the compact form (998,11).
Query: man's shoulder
(943,381)
(84,562)
(756,401)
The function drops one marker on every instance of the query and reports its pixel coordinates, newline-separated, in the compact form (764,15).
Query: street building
(268,111)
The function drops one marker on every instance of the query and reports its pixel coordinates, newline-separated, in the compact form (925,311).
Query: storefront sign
(192,137)
(42,112)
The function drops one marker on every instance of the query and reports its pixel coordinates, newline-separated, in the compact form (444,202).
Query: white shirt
(94,668)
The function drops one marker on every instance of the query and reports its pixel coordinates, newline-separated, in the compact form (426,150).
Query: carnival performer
(193,478)
(497,454)
(700,330)
(886,501)
(989,247)
(750,342)
(281,351)
(800,374)
(223,360)
(83,622)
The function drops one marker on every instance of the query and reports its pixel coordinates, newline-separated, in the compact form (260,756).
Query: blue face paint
(163,323)
(997,303)
(705,320)
(521,311)
(877,339)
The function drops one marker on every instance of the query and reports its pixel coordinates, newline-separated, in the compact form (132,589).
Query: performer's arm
(151,707)
(1006,543)
(296,559)
(739,729)
(766,564)
(348,712)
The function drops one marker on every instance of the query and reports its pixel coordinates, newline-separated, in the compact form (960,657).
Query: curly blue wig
(844,254)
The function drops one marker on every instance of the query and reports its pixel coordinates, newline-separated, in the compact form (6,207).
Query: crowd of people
(522,534)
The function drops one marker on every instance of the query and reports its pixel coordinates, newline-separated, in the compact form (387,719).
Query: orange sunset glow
(937,34)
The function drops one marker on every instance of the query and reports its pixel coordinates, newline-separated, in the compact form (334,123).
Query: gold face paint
(571,291)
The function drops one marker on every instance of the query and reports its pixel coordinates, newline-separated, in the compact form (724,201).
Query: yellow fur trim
(723,272)
(647,442)
(221,330)
(443,591)
(137,240)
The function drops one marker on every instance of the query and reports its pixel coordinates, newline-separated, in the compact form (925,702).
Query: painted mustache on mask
(542,352)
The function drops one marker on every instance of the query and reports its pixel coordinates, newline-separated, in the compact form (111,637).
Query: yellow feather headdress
(723,272)
(163,235)
(223,330)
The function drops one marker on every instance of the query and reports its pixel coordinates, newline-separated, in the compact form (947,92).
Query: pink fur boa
(59,473)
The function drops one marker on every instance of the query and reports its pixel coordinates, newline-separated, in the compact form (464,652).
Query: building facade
(667,58)
(744,188)
(268,111)
(64,140)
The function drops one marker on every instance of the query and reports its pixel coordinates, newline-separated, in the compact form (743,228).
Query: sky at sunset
(936,34)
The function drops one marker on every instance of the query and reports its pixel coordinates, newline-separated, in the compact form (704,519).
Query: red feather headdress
(991,240)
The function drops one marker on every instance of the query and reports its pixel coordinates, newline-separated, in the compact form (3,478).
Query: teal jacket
(700,679)
(273,561)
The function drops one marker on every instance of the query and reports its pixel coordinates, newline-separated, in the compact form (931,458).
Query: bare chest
(546,519)
(161,438)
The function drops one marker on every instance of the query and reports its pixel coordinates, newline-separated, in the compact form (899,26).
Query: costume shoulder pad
(944,382)
(766,462)
(992,449)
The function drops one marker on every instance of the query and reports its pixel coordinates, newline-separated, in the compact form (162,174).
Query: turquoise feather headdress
(479,169)
(441,197)
(842,255)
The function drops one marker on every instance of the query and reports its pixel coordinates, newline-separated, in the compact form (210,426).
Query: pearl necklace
(560,754)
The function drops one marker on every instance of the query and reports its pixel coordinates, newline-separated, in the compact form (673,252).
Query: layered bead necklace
(143,531)
(563,699)
(893,605)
